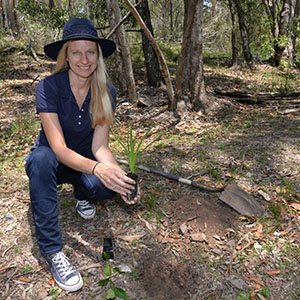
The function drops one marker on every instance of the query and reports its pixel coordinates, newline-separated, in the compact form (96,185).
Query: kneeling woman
(76,106)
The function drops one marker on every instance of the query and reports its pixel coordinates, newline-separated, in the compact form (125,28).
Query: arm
(57,143)
(109,171)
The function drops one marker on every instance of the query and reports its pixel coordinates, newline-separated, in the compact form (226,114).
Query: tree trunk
(244,31)
(234,36)
(283,27)
(154,75)
(125,53)
(90,13)
(159,54)
(183,69)
(199,99)
(280,21)
(294,31)
(121,78)
(5,15)
(51,4)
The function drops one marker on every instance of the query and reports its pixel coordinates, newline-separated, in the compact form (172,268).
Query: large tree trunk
(183,69)
(283,27)
(159,54)
(295,21)
(280,21)
(192,47)
(154,75)
(199,99)
(234,36)
(244,31)
(125,53)
(119,65)
(5,15)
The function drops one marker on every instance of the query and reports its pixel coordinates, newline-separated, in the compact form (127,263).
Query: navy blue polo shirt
(54,95)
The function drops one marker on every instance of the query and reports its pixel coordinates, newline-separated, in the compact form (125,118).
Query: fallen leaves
(130,238)
(271,272)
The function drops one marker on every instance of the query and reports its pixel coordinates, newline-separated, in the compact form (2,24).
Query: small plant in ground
(113,292)
(134,149)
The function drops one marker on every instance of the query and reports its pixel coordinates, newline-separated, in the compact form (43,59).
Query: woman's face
(82,56)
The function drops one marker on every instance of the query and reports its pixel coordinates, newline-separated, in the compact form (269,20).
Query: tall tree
(164,67)
(243,9)
(284,16)
(125,53)
(122,83)
(154,75)
(192,47)
(234,35)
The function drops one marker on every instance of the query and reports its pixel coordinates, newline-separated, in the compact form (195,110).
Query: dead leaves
(130,238)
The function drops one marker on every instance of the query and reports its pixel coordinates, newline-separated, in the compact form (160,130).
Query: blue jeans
(45,173)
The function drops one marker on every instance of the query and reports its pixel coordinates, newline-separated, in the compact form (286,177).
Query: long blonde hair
(100,105)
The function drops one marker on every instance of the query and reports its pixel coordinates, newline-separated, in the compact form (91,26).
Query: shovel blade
(241,201)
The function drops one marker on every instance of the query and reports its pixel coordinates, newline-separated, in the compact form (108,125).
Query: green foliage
(133,148)
(113,292)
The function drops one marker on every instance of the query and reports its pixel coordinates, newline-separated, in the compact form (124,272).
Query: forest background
(220,80)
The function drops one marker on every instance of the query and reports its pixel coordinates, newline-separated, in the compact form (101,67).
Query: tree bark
(125,53)
(154,75)
(121,79)
(280,21)
(244,31)
(183,69)
(199,99)
(234,36)
(160,56)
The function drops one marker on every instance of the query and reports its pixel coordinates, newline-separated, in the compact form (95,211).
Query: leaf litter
(181,242)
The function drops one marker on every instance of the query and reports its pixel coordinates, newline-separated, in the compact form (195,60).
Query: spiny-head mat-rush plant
(134,148)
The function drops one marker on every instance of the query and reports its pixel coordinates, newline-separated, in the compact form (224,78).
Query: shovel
(232,194)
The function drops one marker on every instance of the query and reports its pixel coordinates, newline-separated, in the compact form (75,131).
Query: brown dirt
(188,245)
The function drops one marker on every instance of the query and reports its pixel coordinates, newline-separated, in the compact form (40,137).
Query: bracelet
(96,164)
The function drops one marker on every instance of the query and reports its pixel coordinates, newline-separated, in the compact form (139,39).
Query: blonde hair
(100,104)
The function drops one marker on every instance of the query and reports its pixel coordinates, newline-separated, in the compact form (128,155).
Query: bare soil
(179,242)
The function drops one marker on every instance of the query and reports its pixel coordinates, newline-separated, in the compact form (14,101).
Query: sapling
(134,150)
(113,292)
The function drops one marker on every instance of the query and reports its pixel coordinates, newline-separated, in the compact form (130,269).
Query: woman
(76,106)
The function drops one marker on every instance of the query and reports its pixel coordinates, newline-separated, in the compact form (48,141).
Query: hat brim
(107,46)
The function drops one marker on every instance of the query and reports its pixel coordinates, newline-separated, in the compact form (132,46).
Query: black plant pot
(133,194)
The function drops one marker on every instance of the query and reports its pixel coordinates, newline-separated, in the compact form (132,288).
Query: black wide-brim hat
(80,29)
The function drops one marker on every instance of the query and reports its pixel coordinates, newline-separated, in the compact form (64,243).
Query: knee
(41,158)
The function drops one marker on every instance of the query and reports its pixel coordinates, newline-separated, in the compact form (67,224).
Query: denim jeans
(45,173)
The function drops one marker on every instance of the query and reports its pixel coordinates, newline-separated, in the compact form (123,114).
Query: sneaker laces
(85,204)
(62,264)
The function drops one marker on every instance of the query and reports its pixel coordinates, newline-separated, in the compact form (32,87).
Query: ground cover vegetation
(179,242)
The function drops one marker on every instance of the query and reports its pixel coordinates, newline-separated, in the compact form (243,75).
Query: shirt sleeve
(46,96)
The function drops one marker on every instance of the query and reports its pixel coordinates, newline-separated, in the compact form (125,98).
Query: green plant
(133,148)
(54,292)
(113,292)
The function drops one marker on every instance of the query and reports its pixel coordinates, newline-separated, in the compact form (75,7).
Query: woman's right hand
(115,179)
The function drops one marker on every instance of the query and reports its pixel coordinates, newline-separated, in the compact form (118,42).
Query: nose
(84,58)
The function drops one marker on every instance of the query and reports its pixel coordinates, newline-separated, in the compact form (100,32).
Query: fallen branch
(288,111)
(263,96)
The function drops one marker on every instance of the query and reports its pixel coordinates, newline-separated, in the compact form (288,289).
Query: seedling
(113,292)
(134,150)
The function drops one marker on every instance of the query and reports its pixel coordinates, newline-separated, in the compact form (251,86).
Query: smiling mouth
(84,68)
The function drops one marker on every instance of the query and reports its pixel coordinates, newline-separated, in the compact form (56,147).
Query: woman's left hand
(136,199)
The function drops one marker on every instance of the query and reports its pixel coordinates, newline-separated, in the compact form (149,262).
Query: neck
(79,84)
